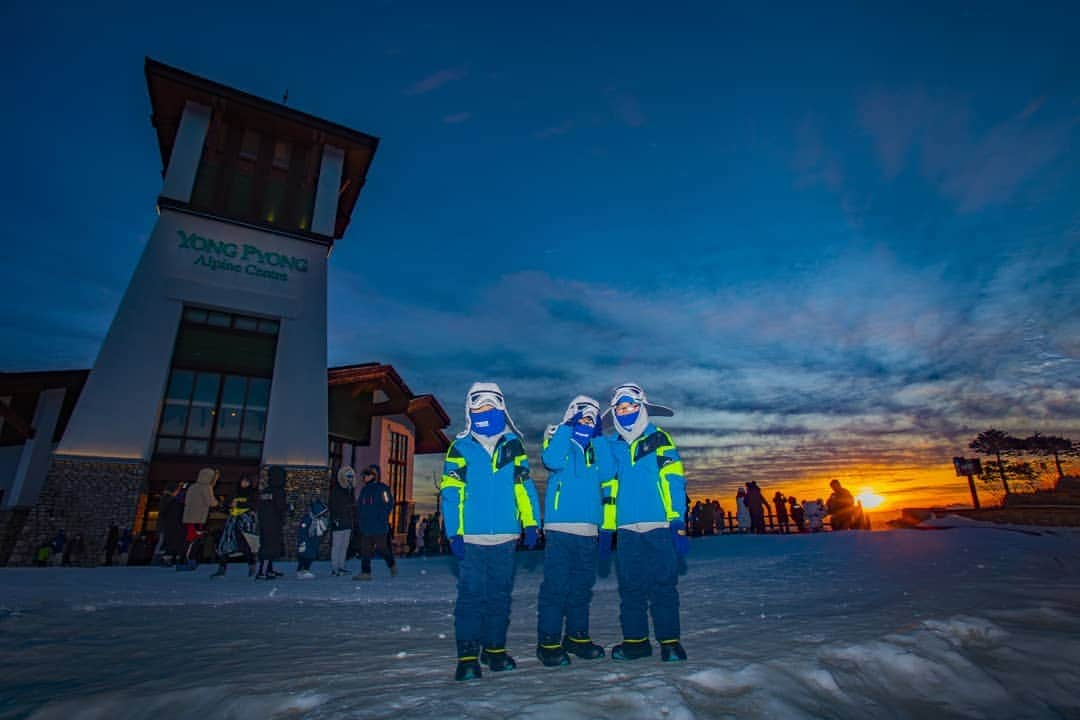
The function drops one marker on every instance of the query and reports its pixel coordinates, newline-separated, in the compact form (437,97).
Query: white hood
(483,393)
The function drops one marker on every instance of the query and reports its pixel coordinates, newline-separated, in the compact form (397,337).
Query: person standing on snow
(342,512)
(239,536)
(313,525)
(373,509)
(198,500)
(579,490)
(488,497)
(780,504)
(271,512)
(797,514)
(650,494)
(755,503)
(742,513)
(841,507)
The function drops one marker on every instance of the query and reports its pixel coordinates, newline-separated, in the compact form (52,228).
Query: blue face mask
(488,423)
(583,434)
(627,421)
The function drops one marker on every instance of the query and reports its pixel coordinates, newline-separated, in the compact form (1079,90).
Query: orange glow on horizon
(869,499)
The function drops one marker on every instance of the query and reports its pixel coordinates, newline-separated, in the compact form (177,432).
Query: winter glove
(678,535)
(603,543)
(573,420)
(457,547)
(530,537)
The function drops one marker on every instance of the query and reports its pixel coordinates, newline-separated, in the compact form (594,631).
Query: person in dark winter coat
(171,525)
(57,544)
(111,541)
(410,535)
(797,514)
(342,514)
(755,503)
(841,507)
(781,505)
(74,550)
(271,511)
(239,537)
(373,509)
(433,535)
(313,525)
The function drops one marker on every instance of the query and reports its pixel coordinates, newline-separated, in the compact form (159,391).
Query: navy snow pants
(569,576)
(648,577)
(482,612)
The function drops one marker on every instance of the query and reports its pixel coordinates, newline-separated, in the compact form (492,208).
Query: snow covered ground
(963,622)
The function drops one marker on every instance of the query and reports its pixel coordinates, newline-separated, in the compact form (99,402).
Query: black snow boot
(581,644)
(632,649)
(467,666)
(672,651)
(550,652)
(497,659)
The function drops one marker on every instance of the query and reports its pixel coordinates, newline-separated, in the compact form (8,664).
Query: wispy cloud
(627,109)
(975,165)
(555,130)
(456,118)
(436,80)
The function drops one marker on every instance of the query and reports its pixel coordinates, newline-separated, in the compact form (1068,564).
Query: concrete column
(34,461)
(326,194)
(186,152)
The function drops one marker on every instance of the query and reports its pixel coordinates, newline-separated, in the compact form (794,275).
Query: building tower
(217,353)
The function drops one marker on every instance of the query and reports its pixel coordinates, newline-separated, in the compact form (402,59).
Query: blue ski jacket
(373,508)
(311,529)
(488,494)
(580,482)
(650,481)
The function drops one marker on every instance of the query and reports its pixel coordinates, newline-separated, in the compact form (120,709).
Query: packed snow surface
(965,622)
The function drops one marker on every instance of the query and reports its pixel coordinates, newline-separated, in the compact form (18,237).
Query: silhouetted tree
(1050,446)
(997,443)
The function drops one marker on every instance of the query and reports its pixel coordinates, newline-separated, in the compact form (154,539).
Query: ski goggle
(628,394)
(480,398)
(588,411)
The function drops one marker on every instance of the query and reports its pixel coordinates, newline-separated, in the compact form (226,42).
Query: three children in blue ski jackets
(631,483)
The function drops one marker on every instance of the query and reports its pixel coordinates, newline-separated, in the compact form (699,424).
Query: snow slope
(965,622)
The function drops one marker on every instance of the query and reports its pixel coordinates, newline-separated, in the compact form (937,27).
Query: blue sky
(839,242)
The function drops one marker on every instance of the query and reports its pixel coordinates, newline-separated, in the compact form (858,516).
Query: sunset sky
(838,242)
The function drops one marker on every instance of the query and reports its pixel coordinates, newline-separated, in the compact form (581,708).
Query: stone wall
(82,495)
(301,484)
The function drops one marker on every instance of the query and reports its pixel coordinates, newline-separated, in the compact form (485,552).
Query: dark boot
(581,644)
(251,569)
(632,649)
(672,651)
(467,667)
(220,571)
(497,659)
(550,652)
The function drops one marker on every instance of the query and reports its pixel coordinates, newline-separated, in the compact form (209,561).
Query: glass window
(258,394)
(196,447)
(254,424)
(249,145)
(241,322)
(273,196)
(195,315)
(251,449)
(174,418)
(231,408)
(203,405)
(180,385)
(168,445)
(282,154)
(226,449)
(219,319)
(270,327)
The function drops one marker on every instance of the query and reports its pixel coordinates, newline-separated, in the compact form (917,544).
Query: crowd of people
(754,514)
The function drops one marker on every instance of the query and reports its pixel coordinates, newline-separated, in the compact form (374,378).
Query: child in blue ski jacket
(487,498)
(579,484)
(650,500)
(313,526)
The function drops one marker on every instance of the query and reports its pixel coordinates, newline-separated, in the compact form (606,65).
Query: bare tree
(997,443)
